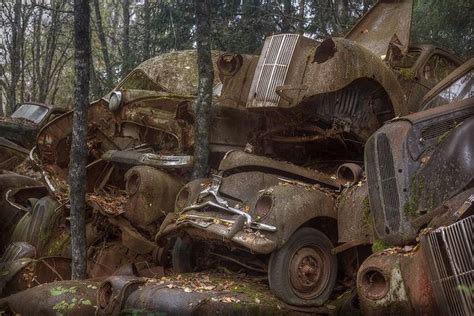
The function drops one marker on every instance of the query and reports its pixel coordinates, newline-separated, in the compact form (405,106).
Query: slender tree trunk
(206,79)
(103,46)
(147,28)
(301,4)
(126,37)
(14,56)
(77,165)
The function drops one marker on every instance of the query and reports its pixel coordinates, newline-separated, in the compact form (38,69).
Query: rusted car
(18,132)
(140,153)
(420,171)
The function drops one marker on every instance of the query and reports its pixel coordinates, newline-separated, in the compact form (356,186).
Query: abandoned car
(18,132)
(420,171)
(290,222)
(140,147)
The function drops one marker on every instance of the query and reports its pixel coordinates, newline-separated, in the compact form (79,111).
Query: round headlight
(374,284)
(263,206)
(115,101)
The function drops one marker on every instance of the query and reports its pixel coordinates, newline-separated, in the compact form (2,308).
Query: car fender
(294,205)
(337,62)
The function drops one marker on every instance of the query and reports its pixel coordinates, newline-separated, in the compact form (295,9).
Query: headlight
(374,284)
(182,198)
(263,206)
(115,101)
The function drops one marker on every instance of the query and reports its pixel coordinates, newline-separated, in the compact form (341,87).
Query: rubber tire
(278,277)
(181,256)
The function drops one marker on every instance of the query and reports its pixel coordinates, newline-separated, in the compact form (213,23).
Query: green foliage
(59,290)
(446,23)
(378,245)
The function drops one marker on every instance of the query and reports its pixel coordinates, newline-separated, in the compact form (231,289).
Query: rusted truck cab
(420,171)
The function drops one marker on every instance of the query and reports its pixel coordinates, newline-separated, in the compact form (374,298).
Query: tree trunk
(77,165)
(126,37)
(147,28)
(206,79)
(301,22)
(103,46)
(14,56)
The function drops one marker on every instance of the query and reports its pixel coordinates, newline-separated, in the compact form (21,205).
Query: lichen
(407,74)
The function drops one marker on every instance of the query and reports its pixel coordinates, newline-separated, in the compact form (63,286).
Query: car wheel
(181,256)
(303,272)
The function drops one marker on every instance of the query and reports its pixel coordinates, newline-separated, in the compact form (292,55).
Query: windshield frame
(453,77)
(31,104)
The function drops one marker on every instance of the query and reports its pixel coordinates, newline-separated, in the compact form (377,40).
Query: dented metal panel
(387,18)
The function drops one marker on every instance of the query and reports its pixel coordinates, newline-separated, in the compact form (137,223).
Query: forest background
(37,53)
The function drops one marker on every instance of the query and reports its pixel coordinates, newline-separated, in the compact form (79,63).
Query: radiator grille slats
(388,181)
(438,129)
(273,68)
(449,255)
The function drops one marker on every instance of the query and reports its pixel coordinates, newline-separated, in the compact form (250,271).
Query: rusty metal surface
(395,282)
(236,72)
(175,72)
(240,159)
(68,297)
(354,220)
(292,204)
(398,156)
(385,19)
(24,273)
(449,253)
(346,62)
(151,194)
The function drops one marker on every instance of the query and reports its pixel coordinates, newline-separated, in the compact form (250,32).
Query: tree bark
(103,46)
(14,56)
(126,37)
(206,79)
(147,27)
(77,165)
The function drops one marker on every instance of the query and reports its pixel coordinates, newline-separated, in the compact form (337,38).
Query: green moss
(411,206)
(407,74)
(378,245)
(57,245)
(367,213)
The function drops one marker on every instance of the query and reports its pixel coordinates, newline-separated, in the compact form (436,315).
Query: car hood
(377,27)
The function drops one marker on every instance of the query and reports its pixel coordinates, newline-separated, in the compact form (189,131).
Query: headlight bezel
(114,106)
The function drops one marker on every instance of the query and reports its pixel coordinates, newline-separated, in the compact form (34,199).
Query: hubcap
(309,272)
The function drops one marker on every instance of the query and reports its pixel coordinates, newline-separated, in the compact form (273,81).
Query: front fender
(337,62)
(294,205)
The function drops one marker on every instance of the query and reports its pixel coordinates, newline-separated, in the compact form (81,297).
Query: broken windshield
(459,90)
(31,112)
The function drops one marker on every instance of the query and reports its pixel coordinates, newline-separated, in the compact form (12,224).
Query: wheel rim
(309,272)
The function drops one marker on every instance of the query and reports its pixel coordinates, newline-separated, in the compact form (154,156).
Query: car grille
(449,256)
(272,69)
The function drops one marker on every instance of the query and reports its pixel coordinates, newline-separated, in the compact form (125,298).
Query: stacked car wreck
(306,176)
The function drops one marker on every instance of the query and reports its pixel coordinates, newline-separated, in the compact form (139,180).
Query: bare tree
(103,45)
(126,37)
(77,165)
(206,79)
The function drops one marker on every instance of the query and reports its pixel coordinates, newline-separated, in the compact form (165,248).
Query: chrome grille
(374,188)
(449,254)
(272,69)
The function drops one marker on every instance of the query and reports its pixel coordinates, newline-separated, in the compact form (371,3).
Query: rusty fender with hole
(257,210)
(395,282)
(318,68)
